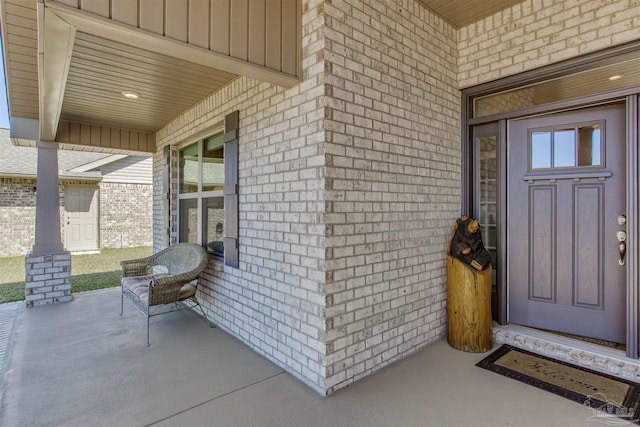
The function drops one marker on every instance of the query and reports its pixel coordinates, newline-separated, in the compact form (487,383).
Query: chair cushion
(187,291)
(139,285)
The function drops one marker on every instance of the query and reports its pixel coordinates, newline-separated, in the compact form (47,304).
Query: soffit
(588,82)
(461,13)
(20,45)
(99,70)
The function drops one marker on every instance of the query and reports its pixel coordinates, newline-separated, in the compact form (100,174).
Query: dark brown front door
(566,190)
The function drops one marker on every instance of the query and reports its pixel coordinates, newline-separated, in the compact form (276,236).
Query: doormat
(608,396)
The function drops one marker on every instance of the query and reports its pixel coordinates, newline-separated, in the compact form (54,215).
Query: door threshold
(581,353)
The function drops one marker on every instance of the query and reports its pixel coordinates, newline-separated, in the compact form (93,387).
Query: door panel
(81,225)
(542,236)
(566,188)
(588,263)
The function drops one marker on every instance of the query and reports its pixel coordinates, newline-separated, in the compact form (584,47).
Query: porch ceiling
(461,13)
(99,70)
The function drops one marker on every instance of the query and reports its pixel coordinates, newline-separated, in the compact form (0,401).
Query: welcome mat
(608,396)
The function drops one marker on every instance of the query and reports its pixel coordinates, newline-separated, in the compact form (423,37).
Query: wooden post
(468,306)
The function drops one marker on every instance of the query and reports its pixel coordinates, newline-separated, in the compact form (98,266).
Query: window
(201,181)
(566,147)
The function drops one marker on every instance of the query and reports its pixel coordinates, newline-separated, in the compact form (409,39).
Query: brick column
(48,266)
(47,279)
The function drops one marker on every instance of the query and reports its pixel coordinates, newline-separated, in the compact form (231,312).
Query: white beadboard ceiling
(101,69)
(461,13)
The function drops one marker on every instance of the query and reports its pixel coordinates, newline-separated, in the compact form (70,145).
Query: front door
(81,222)
(566,192)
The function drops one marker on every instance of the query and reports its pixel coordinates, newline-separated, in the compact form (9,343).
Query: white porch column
(48,266)
(48,239)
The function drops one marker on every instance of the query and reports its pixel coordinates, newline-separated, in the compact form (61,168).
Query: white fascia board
(97,163)
(55,46)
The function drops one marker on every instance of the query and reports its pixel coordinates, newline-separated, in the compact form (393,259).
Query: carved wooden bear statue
(466,244)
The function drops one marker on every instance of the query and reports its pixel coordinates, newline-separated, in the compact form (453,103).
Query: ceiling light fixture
(615,77)
(130,94)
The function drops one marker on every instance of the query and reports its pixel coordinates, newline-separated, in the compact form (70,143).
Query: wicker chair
(167,277)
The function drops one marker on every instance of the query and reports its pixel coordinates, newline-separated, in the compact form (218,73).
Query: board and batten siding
(130,170)
(105,137)
(262,32)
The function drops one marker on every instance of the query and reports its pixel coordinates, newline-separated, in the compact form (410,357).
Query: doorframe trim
(563,68)
(633,216)
(96,199)
(570,66)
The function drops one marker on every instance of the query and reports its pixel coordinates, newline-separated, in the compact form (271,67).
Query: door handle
(622,245)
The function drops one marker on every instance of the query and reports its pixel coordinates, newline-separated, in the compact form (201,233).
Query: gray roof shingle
(22,161)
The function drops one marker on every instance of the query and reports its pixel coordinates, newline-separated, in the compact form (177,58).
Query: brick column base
(47,279)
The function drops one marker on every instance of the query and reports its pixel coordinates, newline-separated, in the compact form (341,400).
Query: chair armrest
(136,267)
(166,290)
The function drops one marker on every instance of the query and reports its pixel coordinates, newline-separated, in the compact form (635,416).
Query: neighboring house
(354,133)
(105,200)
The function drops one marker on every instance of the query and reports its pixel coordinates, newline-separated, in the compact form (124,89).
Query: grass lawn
(88,272)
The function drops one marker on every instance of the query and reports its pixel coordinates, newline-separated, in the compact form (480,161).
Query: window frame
(575,127)
(199,195)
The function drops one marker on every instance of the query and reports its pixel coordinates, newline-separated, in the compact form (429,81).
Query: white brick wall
(275,301)
(535,33)
(350,181)
(393,181)
(17,216)
(333,290)
(125,215)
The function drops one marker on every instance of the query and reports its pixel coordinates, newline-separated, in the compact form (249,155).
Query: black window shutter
(231,250)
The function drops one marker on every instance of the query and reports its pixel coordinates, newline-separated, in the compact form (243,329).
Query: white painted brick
(389,106)
(54,294)
(563,29)
(272,302)
(335,173)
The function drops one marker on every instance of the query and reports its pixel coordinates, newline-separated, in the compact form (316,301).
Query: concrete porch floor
(81,364)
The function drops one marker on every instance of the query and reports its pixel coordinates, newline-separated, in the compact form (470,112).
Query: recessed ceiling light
(130,94)
(615,77)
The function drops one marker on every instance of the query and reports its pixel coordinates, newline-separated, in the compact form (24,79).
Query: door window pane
(564,148)
(540,150)
(567,147)
(589,146)
(488,191)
